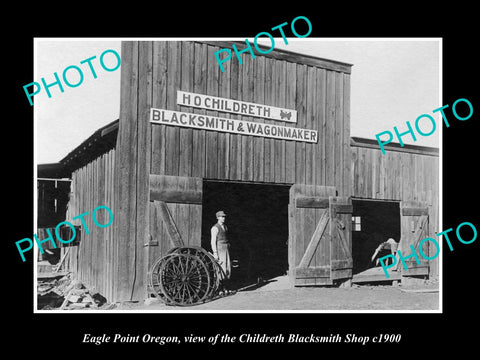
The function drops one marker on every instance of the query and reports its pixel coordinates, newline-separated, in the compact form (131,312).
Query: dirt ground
(277,295)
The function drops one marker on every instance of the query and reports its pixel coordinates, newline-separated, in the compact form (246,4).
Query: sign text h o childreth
(73,75)
(216,103)
(249,49)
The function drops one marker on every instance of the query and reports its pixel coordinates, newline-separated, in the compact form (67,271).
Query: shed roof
(51,170)
(101,141)
(415,149)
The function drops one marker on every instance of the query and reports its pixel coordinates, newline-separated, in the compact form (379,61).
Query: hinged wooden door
(175,213)
(341,259)
(414,228)
(319,235)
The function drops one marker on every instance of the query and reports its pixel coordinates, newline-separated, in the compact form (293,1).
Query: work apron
(223,251)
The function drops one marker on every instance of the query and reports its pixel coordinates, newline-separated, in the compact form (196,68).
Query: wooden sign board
(215,103)
(205,122)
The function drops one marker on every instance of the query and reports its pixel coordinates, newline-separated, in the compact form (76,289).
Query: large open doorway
(257,220)
(373,222)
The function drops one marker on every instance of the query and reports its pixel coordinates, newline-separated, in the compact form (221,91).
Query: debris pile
(64,293)
(50,291)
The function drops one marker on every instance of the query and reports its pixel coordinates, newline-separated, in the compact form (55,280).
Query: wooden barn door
(341,259)
(319,235)
(175,213)
(414,228)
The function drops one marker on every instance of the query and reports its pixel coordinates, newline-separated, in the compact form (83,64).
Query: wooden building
(399,194)
(53,188)
(289,201)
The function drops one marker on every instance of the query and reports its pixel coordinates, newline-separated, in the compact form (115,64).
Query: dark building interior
(373,222)
(257,221)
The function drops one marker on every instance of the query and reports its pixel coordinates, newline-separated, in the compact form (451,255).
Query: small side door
(414,228)
(341,259)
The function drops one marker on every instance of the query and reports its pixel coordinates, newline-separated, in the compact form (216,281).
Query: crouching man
(390,246)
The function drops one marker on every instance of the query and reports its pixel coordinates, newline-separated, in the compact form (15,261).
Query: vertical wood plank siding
(92,261)
(128,182)
(215,155)
(398,176)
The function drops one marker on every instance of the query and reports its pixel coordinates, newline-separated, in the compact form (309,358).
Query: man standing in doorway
(220,244)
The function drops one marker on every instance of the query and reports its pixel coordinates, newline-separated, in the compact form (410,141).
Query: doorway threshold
(376,274)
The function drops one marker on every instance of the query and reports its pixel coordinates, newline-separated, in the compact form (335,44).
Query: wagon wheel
(184,279)
(214,269)
(155,278)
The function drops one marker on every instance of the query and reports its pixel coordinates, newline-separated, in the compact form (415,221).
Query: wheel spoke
(187,287)
(180,265)
(184,290)
(193,267)
(188,262)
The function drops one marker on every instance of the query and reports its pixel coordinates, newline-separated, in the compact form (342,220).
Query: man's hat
(220,213)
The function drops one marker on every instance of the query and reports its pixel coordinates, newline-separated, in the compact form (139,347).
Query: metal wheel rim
(184,279)
(155,278)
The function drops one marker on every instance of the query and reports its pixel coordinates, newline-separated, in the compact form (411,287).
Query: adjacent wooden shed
(408,178)
(290,201)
